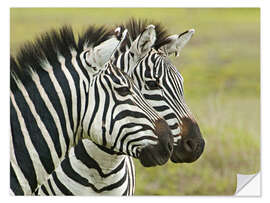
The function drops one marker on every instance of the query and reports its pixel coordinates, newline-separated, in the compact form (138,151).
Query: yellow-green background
(221,69)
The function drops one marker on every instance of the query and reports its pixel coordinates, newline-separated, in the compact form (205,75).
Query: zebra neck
(46,106)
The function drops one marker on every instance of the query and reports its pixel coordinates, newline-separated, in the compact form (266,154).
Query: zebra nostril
(189,145)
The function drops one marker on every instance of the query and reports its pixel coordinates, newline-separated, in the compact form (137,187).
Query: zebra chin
(158,154)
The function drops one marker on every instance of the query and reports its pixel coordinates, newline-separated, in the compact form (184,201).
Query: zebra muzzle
(191,145)
(159,153)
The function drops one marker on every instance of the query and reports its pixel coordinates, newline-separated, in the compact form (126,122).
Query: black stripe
(86,103)
(14,183)
(60,186)
(35,135)
(160,108)
(51,188)
(126,68)
(104,115)
(174,126)
(63,82)
(141,68)
(84,57)
(153,97)
(147,72)
(122,60)
(21,153)
(115,56)
(182,33)
(44,190)
(139,83)
(169,116)
(96,101)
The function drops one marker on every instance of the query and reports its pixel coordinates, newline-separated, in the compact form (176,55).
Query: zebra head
(189,144)
(122,121)
(162,85)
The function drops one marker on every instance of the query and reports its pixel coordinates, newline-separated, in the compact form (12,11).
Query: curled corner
(248,185)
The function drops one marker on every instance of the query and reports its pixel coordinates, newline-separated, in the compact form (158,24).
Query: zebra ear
(177,42)
(144,42)
(90,59)
(103,51)
(123,38)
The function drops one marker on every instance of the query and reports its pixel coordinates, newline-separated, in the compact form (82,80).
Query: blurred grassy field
(221,69)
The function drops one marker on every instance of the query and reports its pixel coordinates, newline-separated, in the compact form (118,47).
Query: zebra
(161,84)
(101,54)
(57,100)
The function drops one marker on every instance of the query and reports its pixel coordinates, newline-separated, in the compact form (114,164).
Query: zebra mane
(136,27)
(48,46)
(93,36)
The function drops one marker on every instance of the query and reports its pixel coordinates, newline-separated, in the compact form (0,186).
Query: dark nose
(193,140)
(191,145)
(159,153)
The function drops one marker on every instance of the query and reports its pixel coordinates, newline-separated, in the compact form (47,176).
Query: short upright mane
(136,27)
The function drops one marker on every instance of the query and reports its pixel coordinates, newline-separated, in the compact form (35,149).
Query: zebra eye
(123,91)
(152,85)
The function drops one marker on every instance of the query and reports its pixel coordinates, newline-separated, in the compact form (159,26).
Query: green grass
(221,69)
(232,146)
